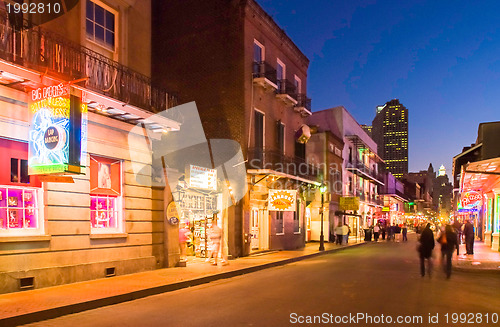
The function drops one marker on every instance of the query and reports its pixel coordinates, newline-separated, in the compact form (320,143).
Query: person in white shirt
(376,231)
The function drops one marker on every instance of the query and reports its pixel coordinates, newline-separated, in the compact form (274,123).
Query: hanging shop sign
(282,200)
(349,203)
(172,213)
(471,200)
(201,177)
(57,132)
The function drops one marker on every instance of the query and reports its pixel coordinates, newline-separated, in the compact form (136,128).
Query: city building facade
(71,89)
(360,166)
(476,179)
(390,133)
(249,82)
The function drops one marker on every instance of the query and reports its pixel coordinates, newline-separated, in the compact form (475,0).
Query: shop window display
(18,209)
(105,195)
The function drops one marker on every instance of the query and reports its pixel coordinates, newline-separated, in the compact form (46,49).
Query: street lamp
(322,189)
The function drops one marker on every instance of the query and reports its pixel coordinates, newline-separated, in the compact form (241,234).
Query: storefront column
(170,234)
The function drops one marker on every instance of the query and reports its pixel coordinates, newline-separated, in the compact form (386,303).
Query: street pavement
(377,281)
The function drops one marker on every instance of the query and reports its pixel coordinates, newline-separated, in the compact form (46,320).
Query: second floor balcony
(360,169)
(264,75)
(287,92)
(303,105)
(276,161)
(53,55)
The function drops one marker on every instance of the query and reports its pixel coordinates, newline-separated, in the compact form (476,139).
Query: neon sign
(58,131)
(471,200)
(282,200)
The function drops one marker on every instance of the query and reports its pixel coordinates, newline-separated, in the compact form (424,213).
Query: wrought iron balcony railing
(264,69)
(303,101)
(259,158)
(287,87)
(54,55)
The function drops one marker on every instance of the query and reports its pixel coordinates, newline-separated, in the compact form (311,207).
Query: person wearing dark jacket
(425,249)
(448,241)
(469,237)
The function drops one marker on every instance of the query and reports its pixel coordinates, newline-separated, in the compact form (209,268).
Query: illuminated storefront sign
(471,200)
(349,203)
(58,131)
(204,178)
(282,200)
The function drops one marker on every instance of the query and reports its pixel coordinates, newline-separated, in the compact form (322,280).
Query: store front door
(259,229)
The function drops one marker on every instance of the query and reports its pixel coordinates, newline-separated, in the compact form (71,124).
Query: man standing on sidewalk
(469,237)
(339,233)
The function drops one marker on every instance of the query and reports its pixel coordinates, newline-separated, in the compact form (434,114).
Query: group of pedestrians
(449,239)
(341,233)
(394,232)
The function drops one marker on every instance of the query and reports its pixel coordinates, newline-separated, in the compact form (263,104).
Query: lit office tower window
(390,132)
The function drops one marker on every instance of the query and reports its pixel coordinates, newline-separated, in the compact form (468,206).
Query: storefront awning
(481,175)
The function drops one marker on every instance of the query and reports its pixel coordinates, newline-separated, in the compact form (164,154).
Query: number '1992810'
(471,318)
(34,8)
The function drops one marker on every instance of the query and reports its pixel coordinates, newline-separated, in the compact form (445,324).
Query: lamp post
(322,189)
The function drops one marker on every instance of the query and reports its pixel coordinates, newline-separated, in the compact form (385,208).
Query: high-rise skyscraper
(390,132)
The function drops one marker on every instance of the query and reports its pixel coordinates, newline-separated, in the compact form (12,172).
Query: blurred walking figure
(390,231)
(346,230)
(458,229)
(339,233)
(448,241)
(376,231)
(383,232)
(469,237)
(425,249)
(215,234)
(405,233)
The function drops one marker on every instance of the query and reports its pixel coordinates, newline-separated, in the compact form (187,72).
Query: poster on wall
(57,132)
(471,200)
(282,200)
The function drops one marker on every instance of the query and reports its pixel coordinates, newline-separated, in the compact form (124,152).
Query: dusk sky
(441,59)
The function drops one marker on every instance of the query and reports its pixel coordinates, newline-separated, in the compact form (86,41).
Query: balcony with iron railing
(51,54)
(272,160)
(264,74)
(360,169)
(303,105)
(287,92)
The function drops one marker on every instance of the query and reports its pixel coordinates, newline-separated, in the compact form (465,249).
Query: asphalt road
(381,281)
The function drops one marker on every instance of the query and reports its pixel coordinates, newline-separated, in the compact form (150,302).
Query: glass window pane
(90,10)
(110,21)
(25,178)
(257,53)
(89,27)
(99,15)
(14,170)
(110,38)
(15,199)
(99,33)
(3,218)
(3,197)
(15,218)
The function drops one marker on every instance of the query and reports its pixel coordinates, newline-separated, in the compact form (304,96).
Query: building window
(280,74)
(280,137)
(280,227)
(19,171)
(19,211)
(259,130)
(105,196)
(258,51)
(300,150)
(100,25)
(298,84)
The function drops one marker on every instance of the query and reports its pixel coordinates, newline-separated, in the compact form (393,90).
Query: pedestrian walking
(458,229)
(332,233)
(390,232)
(425,249)
(184,238)
(448,241)
(382,230)
(214,234)
(405,233)
(469,237)
(346,231)
(376,231)
(339,234)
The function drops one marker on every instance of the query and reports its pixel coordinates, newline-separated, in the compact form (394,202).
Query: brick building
(248,80)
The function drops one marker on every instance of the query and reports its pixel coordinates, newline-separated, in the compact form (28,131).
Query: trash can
(368,234)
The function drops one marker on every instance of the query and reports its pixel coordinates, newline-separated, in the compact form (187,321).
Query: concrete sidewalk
(484,259)
(46,303)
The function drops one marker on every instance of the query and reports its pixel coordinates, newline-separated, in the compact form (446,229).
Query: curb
(134,295)
(491,271)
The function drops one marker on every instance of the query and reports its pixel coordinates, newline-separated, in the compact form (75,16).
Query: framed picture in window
(12,201)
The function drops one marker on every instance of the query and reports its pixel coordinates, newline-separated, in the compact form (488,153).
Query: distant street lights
(322,189)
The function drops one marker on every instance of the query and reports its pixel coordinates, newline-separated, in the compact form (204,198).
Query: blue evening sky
(440,58)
